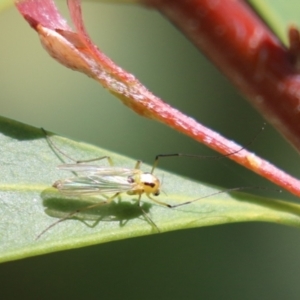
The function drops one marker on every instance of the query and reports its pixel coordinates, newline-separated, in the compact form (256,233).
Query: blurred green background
(238,261)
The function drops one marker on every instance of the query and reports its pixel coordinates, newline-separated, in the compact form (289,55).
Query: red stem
(247,52)
(249,55)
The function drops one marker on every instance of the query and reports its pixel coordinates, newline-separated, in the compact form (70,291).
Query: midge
(93,179)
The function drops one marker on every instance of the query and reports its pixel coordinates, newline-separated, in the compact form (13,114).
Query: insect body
(97,180)
(111,182)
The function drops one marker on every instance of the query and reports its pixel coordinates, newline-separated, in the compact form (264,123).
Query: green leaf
(28,203)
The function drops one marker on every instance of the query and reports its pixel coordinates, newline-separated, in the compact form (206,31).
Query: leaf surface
(28,203)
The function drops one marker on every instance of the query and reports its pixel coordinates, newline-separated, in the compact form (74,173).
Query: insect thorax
(145,183)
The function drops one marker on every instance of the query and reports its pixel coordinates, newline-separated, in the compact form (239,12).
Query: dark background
(237,261)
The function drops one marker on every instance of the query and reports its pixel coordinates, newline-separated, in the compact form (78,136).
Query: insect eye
(156,193)
(130,179)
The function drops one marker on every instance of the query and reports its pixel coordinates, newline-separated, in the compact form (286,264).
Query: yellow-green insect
(93,179)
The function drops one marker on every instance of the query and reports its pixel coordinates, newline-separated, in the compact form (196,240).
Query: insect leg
(225,191)
(158,202)
(138,164)
(53,146)
(96,159)
(205,156)
(146,215)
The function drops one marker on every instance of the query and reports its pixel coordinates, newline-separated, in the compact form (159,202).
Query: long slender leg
(146,215)
(224,191)
(53,146)
(205,156)
(96,159)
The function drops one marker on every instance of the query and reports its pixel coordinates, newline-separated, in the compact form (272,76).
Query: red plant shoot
(251,57)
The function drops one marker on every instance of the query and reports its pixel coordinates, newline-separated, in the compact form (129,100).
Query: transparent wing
(99,170)
(96,180)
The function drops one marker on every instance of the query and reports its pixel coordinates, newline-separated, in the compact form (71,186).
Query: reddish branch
(221,28)
(248,53)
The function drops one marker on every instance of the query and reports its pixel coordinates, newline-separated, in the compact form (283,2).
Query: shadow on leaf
(59,206)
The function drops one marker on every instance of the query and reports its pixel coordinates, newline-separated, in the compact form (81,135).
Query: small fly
(93,179)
